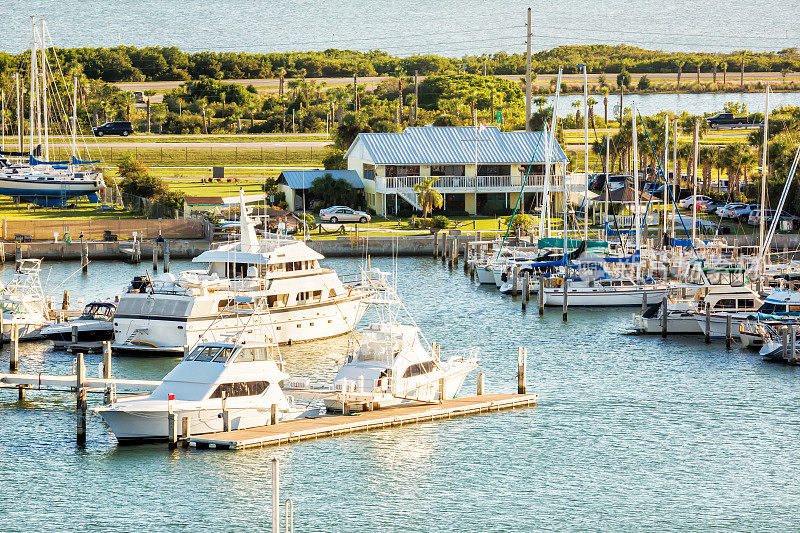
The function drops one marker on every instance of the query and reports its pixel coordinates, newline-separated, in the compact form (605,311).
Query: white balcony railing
(482,183)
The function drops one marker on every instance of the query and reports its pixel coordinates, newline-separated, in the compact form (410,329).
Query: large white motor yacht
(241,380)
(278,277)
(23,303)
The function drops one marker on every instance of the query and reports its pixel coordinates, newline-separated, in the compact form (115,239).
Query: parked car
(725,119)
(123,128)
(686,203)
(138,96)
(738,211)
(755,216)
(708,206)
(340,213)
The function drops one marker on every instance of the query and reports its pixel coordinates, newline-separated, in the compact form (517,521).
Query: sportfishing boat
(683,314)
(277,278)
(779,305)
(233,380)
(389,363)
(95,324)
(23,303)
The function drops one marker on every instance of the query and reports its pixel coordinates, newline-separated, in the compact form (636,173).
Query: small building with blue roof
(293,182)
(477,169)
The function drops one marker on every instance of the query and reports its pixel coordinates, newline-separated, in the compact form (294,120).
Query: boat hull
(604,298)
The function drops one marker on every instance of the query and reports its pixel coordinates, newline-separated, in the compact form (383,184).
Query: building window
(494,170)
(369,172)
(397,171)
(447,170)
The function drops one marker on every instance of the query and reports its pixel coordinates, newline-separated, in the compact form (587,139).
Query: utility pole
(528,91)
(416,96)
(20,112)
(355,92)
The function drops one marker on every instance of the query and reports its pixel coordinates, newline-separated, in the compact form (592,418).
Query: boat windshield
(216,354)
(250,354)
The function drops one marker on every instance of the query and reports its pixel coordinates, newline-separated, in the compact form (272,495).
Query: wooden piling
(664,316)
(540,295)
(564,304)
(155,258)
(65,301)
(455,252)
(273,414)
(785,341)
(80,395)
(435,245)
(792,344)
(728,331)
(74,335)
(644,301)
(708,324)
(172,429)
(522,366)
(14,340)
(225,420)
(166,256)
(480,384)
(526,289)
(85,258)
(186,431)
(514,280)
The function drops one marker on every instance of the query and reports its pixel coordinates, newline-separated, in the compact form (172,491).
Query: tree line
(157,63)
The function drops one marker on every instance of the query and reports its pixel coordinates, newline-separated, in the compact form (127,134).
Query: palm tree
(732,158)
(399,73)
(472,99)
(715,66)
(577,105)
(724,72)
(428,197)
(591,103)
(281,79)
(605,105)
(699,64)
(707,158)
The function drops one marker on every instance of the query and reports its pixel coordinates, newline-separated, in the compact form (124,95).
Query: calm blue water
(446,27)
(631,433)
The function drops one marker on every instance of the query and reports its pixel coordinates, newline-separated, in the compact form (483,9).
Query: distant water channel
(632,433)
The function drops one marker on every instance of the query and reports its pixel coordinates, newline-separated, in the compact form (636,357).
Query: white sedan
(687,202)
(339,213)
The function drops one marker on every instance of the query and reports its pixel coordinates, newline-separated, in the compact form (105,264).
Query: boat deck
(332,425)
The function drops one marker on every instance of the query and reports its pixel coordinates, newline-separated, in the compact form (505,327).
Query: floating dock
(332,425)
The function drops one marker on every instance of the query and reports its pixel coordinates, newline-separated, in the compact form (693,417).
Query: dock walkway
(70,381)
(332,425)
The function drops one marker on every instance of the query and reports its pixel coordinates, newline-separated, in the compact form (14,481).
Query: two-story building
(476,168)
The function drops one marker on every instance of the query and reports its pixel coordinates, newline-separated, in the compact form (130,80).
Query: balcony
(465,184)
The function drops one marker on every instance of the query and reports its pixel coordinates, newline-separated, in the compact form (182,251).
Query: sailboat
(41,181)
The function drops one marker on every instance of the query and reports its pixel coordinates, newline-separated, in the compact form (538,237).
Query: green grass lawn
(154,138)
(224,188)
(83,211)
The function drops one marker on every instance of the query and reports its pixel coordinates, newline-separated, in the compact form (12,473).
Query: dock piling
(166,256)
(273,414)
(441,389)
(792,346)
(540,295)
(644,302)
(80,395)
(276,510)
(728,331)
(14,339)
(522,366)
(480,384)
(526,289)
(785,341)
(155,258)
(172,428)
(85,258)
(664,316)
(225,420)
(514,280)
(435,245)
(74,335)
(708,324)
(186,431)
(565,304)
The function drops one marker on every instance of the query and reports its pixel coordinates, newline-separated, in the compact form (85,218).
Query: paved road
(271,84)
(267,145)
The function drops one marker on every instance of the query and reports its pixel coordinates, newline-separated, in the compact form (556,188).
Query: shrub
(309,221)
(521,221)
(440,221)
(644,83)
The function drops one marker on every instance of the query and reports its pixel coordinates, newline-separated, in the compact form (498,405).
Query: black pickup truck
(726,120)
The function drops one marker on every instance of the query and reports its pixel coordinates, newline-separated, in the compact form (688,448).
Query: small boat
(22,302)
(687,315)
(388,364)
(610,292)
(96,324)
(237,380)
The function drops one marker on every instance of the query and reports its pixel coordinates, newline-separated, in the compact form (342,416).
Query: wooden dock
(332,425)
(70,381)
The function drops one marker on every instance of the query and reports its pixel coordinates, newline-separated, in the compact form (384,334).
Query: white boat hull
(603,298)
(684,324)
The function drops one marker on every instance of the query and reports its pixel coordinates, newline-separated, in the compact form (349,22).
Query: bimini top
(429,145)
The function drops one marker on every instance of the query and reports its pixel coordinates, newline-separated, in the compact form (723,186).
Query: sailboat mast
(764,153)
(45,110)
(3,101)
(586,155)
(548,162)
(19,113)
(635,152)
(676,171)
(665,193)
(694,178)
(75,116)
(32,92)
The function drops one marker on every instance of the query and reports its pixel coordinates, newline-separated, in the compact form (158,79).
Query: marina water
(630,433)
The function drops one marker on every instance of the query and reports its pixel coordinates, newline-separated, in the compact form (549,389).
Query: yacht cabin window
(277,300)
(241,388)
(248,355)
(417,369)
